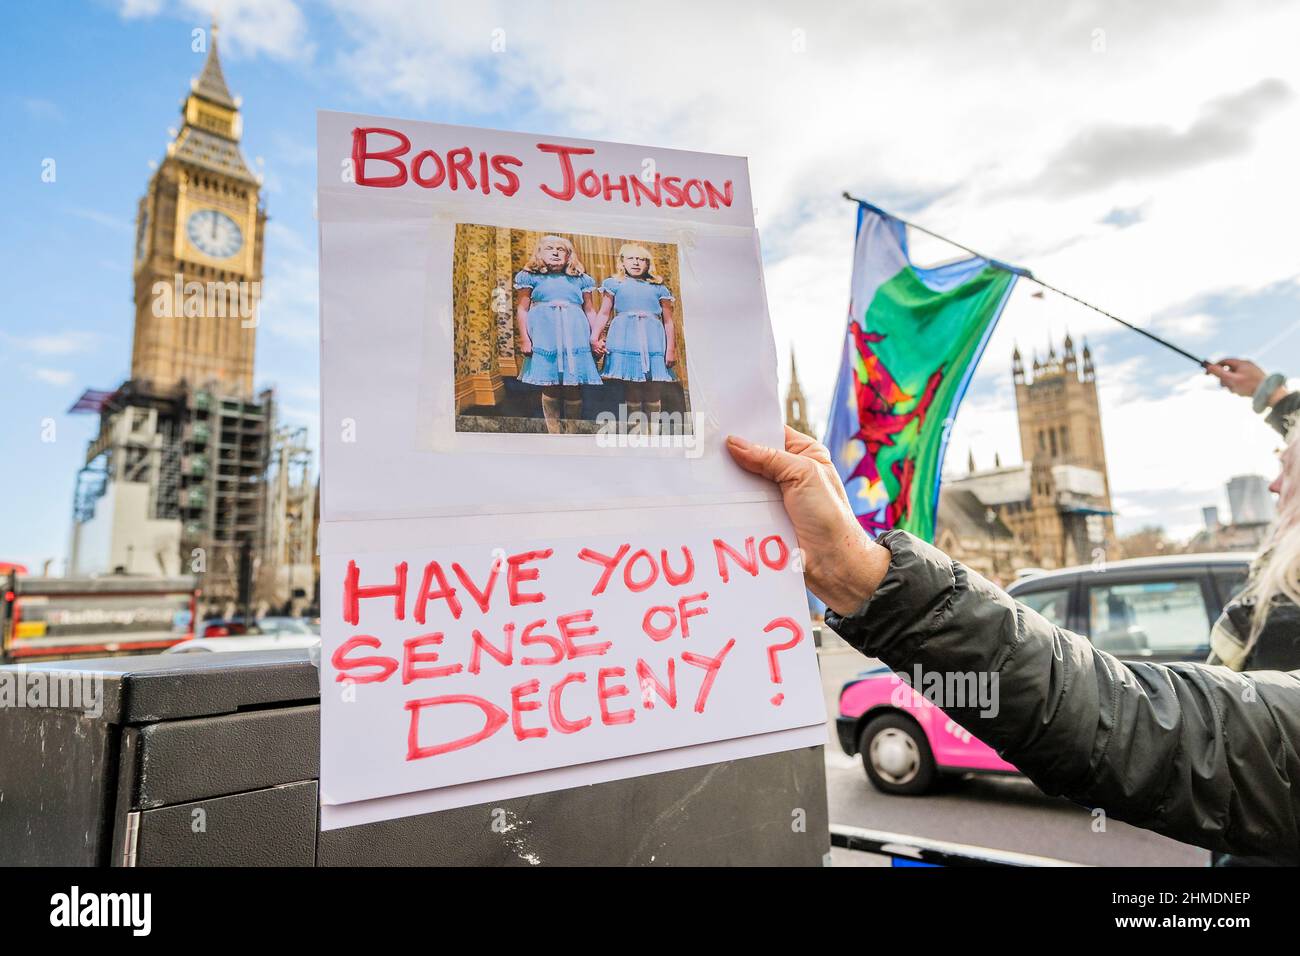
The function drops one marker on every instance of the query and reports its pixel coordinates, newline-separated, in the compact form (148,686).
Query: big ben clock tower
(176,480)
(198,256)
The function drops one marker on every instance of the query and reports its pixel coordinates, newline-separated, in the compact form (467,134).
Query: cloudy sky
(1139,155)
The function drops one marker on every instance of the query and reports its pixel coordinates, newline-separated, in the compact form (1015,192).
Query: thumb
(758,459)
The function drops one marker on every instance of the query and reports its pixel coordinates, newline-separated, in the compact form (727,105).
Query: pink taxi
(906,741)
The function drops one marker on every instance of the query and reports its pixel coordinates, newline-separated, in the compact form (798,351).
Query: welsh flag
(914,338)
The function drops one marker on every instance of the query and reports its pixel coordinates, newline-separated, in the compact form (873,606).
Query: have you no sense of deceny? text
(575,636)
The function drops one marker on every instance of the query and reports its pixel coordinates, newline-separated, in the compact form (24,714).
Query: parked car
(1151,609)
(237,626)
(286,625)
(223,627)
(244,642)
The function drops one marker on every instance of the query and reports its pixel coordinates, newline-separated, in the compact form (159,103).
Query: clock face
(214,233)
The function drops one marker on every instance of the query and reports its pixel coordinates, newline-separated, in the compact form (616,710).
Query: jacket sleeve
(1284,414)
(1201,754)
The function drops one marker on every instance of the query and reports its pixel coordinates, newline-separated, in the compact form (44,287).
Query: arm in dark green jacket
(1199,753)
(1284,414)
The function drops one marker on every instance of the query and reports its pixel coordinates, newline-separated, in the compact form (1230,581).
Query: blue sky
(1139,158)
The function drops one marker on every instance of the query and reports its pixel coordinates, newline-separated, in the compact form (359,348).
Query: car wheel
(897,756)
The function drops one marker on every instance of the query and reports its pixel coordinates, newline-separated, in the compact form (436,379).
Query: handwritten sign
(538,565)
(558,653)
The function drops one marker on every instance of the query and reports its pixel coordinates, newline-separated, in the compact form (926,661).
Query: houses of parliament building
(1054,510)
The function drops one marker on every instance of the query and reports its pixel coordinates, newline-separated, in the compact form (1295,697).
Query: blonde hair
(572,267)
(640,251)
(1276,572)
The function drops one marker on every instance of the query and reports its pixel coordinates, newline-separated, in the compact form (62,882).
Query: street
(1005,813)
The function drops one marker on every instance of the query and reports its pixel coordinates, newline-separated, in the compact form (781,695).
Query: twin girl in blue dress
(562,330)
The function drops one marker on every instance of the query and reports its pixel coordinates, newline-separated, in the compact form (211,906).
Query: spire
(1070,363)
(211,83)
(794,392)
(796,407)
(997,460)
(970,461)
(210,135)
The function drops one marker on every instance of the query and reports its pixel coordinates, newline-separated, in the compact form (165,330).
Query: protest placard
(539,565)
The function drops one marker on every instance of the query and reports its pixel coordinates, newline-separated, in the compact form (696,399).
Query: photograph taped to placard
(568,333)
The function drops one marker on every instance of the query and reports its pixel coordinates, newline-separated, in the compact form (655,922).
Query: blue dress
(558,328)
(636,340)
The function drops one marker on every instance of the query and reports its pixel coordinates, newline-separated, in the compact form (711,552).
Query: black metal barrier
(213,759)
(904,850)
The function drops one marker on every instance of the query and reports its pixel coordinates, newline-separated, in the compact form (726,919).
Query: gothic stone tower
(796,406)
(1069,514)
(199,233)
(175,480)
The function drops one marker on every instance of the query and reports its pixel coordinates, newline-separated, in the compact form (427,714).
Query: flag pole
(1204,363)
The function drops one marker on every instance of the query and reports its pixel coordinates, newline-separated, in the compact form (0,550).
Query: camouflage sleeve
(1285,413)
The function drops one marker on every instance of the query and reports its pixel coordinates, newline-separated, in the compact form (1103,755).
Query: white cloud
(53,376)
(131,9)
(276,28)
(1106,153)
(62,344)
(42,109)
(1187,327)
(1194,436)
(58,343)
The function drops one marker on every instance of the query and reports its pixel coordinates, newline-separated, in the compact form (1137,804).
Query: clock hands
(223,238)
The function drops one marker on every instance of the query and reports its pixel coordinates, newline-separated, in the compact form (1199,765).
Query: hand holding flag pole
(1025,273)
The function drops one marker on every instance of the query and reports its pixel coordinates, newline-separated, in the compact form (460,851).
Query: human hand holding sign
(841,564)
